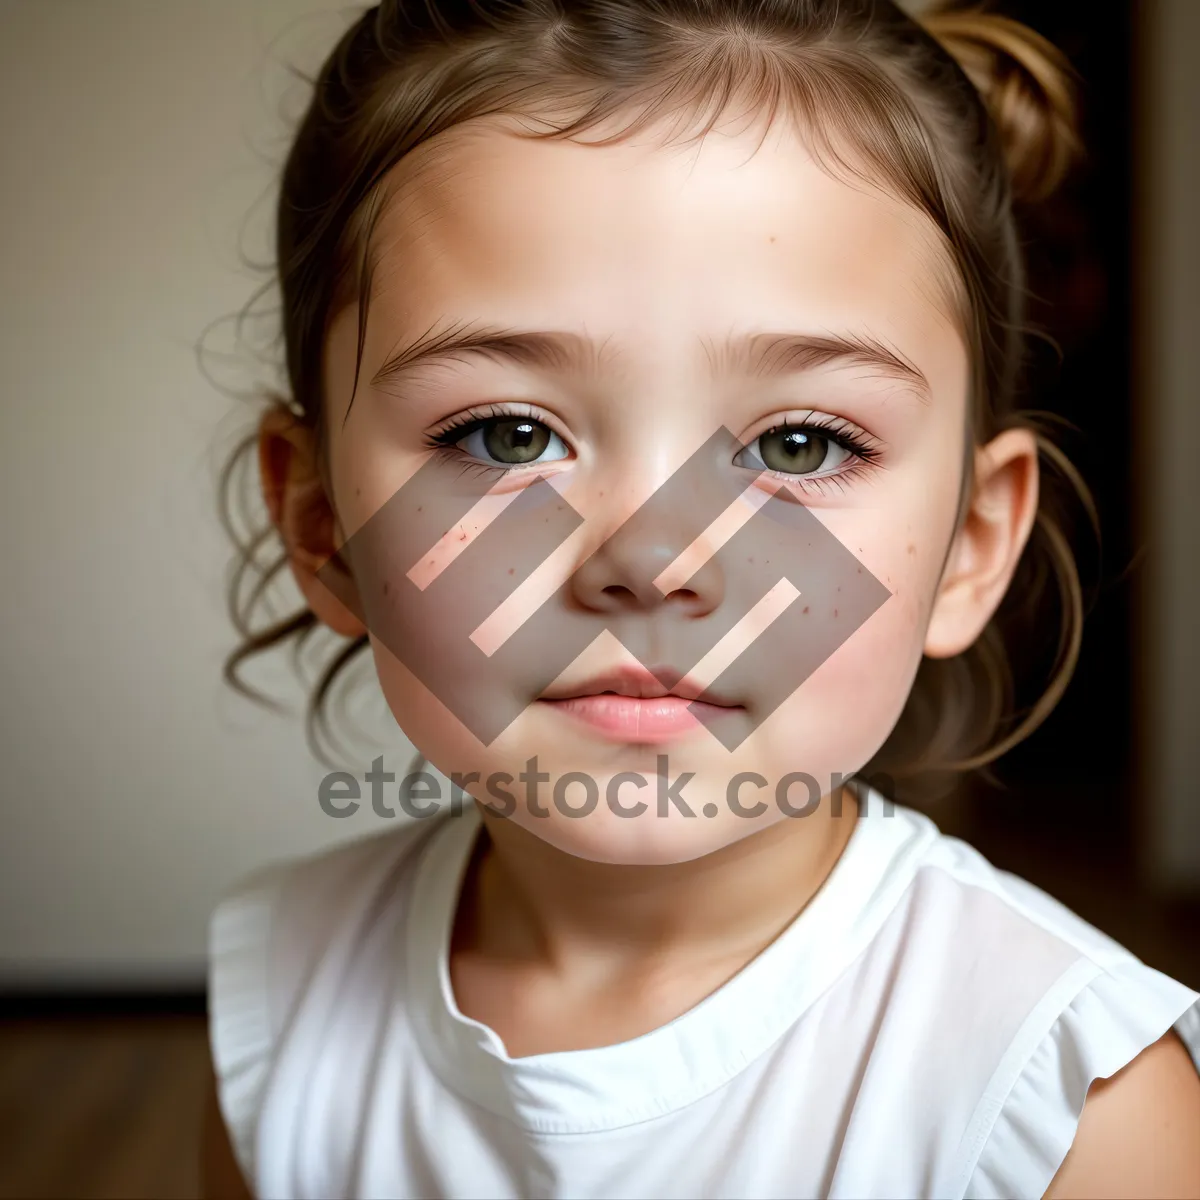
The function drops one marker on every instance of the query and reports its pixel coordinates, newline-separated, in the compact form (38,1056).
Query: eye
(510,441)
(797,450)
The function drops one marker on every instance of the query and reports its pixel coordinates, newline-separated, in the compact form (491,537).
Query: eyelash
(444,441)
(865,452)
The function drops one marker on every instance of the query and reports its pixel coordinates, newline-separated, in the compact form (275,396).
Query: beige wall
(136,140)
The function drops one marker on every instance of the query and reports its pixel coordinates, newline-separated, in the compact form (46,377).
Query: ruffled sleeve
(1027,1120)
(241,1023)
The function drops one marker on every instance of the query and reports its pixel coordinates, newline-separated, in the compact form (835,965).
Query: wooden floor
(101,1106)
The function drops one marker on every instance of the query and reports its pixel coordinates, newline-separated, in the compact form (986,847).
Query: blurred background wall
(140,141)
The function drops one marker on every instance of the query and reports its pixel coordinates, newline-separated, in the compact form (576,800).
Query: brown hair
(959,142)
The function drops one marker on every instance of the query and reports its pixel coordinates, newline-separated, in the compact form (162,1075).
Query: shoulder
(1084,1053)
(1139,1133)
(271,927)
(1069,1034)
(281,935)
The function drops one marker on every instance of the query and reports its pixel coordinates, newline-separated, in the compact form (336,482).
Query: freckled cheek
(902,554)
(366,474)
(910,574)
(890,641)
(866,681)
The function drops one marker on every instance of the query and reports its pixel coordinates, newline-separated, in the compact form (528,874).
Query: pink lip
(638,718)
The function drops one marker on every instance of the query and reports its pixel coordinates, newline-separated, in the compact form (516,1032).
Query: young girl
(652,370)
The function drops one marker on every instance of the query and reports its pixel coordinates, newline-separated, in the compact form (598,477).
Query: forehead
(640,240)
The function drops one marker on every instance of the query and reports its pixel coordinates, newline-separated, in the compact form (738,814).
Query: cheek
(844,711)
(871,672)
(365,477)
(441,737)
(906,557)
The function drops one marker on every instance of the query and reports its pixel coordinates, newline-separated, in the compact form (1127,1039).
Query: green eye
(798,450)
(512,442)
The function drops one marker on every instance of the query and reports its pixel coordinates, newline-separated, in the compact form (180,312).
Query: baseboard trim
(25,1003)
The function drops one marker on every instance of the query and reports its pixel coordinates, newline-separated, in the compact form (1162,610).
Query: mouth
(631,705)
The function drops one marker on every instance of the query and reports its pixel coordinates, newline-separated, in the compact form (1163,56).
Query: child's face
(659,255)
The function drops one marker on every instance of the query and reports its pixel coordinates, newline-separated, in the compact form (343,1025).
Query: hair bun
(1026,83)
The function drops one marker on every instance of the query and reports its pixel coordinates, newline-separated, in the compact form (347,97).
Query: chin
(645,840)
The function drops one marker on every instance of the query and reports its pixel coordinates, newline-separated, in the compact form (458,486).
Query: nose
(619,575)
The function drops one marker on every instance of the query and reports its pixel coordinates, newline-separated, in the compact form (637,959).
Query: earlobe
(988,544)
(301,512)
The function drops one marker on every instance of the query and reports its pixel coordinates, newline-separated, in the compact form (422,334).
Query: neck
(525,900)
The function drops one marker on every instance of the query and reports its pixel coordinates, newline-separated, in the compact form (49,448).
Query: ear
(988,544)
(302,513)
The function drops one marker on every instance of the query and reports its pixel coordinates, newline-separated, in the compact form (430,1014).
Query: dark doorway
(1069,784)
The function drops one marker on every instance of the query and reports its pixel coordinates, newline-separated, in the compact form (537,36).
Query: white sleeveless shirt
(927,1026)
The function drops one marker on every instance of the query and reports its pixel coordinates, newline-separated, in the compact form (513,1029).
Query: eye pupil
(516,441)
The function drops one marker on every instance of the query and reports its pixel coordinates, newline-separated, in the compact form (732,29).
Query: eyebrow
(760,355)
